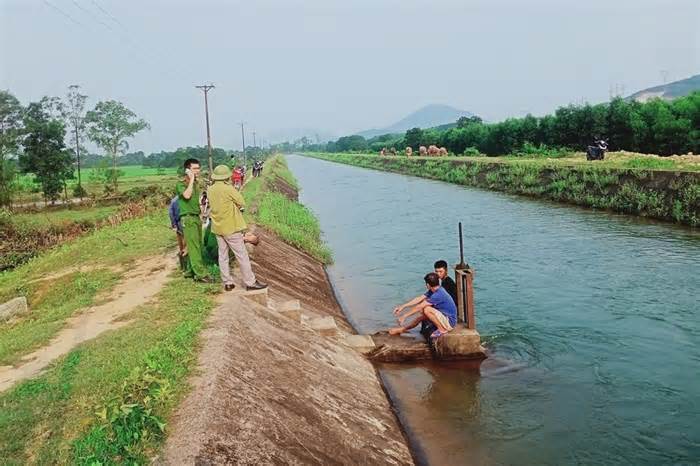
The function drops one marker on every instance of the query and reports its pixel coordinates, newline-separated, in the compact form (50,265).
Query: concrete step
(325,326)
(361,343)
(259,296)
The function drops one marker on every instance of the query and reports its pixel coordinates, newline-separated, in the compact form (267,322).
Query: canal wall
(671,196)
(278,381)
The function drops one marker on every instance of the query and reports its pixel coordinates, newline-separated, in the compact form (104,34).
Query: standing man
(188,201)
(228,224)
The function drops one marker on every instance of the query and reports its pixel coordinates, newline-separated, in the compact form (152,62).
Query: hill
(669,91)
(426,117)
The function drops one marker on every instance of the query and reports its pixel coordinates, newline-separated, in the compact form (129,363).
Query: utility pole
(254,143)
(243,141)
(206,88)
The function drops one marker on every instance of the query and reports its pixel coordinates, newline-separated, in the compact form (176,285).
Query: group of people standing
(223,204)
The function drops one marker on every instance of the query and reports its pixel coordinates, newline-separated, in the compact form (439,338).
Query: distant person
(436,306)
(236,178)
(188,203)
(426,327)
(228,224)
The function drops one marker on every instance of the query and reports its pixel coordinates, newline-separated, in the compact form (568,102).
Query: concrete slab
(361,343)
(290,305)
(326,326)
(460,343)
(259,296)
(13,307)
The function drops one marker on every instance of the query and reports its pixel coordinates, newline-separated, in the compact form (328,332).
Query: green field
(133,176)
(48,217)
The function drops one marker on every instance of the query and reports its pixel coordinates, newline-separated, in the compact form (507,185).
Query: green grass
(624,182)
(650,163)
(133,176)
(52,301)
(50,217)
(294,223)
(290,220)
(108,400)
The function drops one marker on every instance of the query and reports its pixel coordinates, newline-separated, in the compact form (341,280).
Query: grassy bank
(108,401)
(272,198)
(664,189)
(32,231)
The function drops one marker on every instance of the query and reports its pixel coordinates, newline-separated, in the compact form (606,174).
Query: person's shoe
(256,286)
(204,280)
(229,287)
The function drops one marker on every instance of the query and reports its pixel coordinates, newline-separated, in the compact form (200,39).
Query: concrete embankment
(277,384)
(672,196)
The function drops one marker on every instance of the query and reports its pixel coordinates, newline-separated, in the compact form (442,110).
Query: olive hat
(221,173)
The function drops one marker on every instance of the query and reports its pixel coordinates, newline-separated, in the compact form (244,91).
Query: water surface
(596,316)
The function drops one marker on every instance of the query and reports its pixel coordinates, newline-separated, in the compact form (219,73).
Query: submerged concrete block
(326,326)
(460,343)
(13,307)
(259,296)
(361,343)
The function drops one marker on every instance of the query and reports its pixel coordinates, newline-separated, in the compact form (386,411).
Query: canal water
(592,319)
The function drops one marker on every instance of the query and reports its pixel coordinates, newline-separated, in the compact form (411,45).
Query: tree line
(46,138)
(657,127)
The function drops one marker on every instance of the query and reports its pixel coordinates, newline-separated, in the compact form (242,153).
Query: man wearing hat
(228,225)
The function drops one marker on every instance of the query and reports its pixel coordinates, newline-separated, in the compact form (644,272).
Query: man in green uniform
(188,201)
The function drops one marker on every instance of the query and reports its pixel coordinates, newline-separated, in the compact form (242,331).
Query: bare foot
(396,331)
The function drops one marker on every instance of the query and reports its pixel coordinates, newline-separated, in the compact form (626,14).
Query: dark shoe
(229,287)
(204,280)
(256,286)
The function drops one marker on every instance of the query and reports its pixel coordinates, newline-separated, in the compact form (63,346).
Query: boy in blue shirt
(436,306)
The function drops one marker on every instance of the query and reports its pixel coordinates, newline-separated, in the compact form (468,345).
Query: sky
(332,68)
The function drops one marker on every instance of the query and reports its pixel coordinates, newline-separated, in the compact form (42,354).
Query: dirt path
(139,285)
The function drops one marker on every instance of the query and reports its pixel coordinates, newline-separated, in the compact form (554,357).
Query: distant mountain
(426,117)
(669,91)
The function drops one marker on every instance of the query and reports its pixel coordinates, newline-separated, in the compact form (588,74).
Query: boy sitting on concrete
(435,306)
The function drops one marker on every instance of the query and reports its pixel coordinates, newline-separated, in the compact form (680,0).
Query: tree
(351,143)
(45,153)
(413,138)
(109,125)
(75,117)
(11,127)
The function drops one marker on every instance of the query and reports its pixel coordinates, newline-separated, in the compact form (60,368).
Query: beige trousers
(234,241)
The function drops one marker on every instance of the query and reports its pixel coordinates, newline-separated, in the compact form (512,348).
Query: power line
(107,13)
(63,13)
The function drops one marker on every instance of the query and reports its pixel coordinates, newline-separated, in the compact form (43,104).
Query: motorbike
(597,150)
